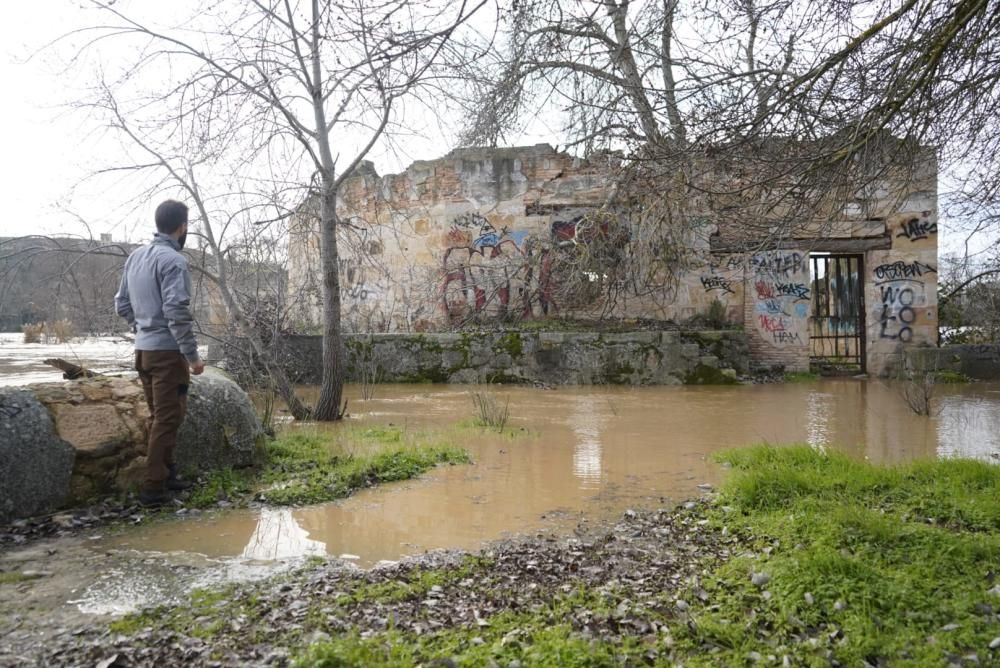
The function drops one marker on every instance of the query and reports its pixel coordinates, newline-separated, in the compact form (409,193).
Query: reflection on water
(977,419)
(586,421)
(279,536)
(589,453)
(818,419)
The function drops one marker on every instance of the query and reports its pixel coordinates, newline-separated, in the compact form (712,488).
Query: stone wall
(978,361)
(573,358)
(65,443)
(490,236)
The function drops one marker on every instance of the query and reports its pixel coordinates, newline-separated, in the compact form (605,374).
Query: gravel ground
(644,562)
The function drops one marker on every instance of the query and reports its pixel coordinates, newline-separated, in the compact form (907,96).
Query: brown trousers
(165,378)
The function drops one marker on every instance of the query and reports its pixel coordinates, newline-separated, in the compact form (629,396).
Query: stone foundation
(553,358)
(66,443)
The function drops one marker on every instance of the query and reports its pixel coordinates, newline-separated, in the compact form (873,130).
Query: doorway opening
(837,325)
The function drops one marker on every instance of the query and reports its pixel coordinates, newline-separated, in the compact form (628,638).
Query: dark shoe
(154,497)
(176,484)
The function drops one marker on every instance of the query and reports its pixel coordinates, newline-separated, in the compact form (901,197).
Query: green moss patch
(800,377)
(14,577)
(709,375)
(305,468)
(949,377)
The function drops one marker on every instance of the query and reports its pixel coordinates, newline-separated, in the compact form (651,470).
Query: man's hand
(197,367)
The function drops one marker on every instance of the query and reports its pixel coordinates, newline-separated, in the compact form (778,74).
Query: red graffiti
(772,324)
(764,289)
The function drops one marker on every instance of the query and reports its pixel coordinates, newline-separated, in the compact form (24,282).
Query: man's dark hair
(170,215)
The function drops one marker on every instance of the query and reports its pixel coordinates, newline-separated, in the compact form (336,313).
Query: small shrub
(948,377)
(369,371)
(63,331)
(716,316)
(33,333)
(490,413)
(917,388)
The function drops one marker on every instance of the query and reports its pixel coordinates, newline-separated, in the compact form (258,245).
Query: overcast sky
(49,149)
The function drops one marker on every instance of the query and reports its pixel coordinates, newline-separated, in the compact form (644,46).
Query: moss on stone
(708,375)
(510,343)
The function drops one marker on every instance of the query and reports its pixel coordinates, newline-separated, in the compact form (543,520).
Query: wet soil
(642,563)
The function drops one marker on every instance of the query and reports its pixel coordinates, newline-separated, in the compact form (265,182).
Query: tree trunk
(332,388)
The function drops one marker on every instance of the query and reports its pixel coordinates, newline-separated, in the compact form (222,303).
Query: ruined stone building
(496,235)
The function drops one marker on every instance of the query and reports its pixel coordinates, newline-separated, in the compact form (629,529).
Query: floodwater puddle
(586,454)
(581,454)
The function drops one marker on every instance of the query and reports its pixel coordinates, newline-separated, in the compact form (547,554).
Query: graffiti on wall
(898,315)
(902,271)
(493,270)
(498,272)
(715,282)
(916,229)
(901,291)
(722,276)
(781,297)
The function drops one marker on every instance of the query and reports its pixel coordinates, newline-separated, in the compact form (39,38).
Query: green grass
(207,613)
(14,577)
(472,425)
(889,557)
(949,377)
(314,467)
(801,377)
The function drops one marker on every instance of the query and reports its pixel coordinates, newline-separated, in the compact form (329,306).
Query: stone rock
(62,443)
(35,463)
(221,429)
(93,429)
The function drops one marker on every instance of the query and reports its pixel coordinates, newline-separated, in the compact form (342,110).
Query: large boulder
(221,429)
(35,464)
(65,443)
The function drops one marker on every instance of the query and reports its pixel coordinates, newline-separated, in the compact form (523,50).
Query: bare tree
(46,278)
(763,114)
(267,104)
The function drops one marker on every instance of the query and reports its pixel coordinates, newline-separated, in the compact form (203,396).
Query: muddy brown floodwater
(585,454)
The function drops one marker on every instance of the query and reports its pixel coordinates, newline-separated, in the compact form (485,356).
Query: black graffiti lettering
(788,263)
(904,296)
(903,271)
(905,316)
(785,338)
(717,283)
(916,229)
(985,351)
(797,290)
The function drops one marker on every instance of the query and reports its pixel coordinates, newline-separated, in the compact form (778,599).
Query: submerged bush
(33,333)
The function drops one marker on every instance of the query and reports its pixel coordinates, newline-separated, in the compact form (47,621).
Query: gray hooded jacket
(155,298)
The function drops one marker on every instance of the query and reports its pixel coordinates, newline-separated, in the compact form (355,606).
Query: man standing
(155,298)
